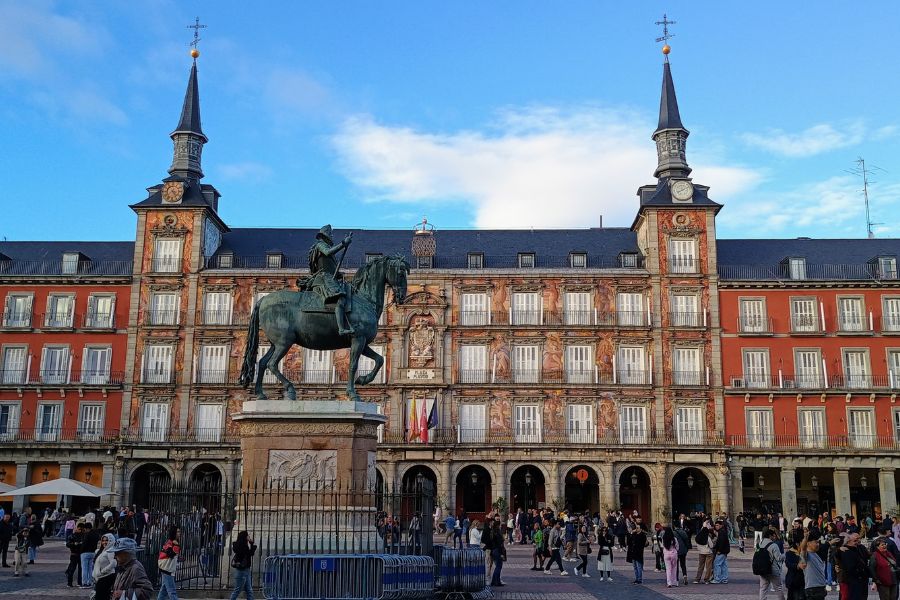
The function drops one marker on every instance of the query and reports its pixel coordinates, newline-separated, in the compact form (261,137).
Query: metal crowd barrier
(459,570)
(348,577)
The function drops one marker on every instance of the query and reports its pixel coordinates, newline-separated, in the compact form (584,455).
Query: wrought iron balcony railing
(64,269)
(567,318)
(532,434)
(99,377)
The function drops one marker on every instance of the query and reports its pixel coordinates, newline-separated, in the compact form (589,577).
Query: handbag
(604,551)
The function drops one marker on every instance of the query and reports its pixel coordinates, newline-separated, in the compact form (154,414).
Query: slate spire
(670,135)
(188,137)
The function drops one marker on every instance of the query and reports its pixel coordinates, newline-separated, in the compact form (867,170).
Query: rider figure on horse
(326,278)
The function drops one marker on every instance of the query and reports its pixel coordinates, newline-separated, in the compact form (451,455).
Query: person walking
(794,581)
(813,567)
(6,534)
(20,557)
(167,562)
(131,581)
(88,549)
(635,543)
(705,539)
(883,569)
(720,554)
(537,555)
(74,543)
(35,539)
(556,544)
(104,574)
(606,542)
(669,547)
(583,543)
(767,561)
(854,569)
(498,553)
(683,535)
(243,550)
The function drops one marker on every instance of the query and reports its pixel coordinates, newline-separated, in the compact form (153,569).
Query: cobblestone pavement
(47,577)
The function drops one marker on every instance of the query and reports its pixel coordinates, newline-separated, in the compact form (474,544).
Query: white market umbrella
(5,487)
(60,487)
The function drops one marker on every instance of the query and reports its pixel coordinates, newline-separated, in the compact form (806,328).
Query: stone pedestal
(296,442)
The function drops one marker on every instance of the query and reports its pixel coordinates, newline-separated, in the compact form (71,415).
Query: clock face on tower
(172,192)
(682,190)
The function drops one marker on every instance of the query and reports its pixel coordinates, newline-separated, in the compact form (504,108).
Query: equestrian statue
(327,313)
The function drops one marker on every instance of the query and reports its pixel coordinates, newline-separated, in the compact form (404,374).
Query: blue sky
(476,114)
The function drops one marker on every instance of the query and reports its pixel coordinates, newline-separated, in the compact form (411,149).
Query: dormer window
(475,260)
(796,267)
(226,261)
(526,260)
(628,260)
(70,262)
(578,260)
(887,267)
(273,260)
(370,256)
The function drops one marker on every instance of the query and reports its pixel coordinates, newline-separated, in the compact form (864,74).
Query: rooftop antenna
(861,170)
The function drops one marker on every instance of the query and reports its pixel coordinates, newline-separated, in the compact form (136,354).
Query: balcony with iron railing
(57,435)
(327,377)
(165,264)
(17,320)
(99,320)
(754,325)
(566,318)
(687,319)
(815,381)
(575,377)
(689,378)
(64,269)
(683,265)
(197,435)
(531,435)
(58,320)
(804,442)
(160,318)
(60,377)
(806,324)
(809,272)
(222,318)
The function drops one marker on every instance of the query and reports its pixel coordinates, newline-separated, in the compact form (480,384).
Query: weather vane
(197,27)
(666,36)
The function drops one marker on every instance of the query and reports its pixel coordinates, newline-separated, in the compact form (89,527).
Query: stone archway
(634,491)
(582,489)
(691,492)
(145,477)
(527,488)
(473,491)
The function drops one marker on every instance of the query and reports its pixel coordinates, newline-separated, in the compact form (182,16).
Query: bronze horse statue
(290,317)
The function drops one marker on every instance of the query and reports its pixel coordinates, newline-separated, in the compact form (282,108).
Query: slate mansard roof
(46,258)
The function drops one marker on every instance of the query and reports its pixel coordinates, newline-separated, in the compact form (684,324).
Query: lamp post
(863,482)
(45,474)
(88,475)
(634,479)
(2,474)
(527,486)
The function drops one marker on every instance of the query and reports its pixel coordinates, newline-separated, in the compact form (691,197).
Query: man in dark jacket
(854,562)
(6,533)
(635,544)
(74,544)
(721,550)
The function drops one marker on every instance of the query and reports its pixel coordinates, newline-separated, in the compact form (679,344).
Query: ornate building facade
(579,367)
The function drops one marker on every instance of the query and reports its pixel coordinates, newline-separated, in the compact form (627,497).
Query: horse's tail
(248,370)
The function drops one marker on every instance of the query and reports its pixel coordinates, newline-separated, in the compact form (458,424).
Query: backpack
(702,536)
(762,561)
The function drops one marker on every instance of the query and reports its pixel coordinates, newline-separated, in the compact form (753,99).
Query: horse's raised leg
(379,361)
(280,352)
(260,372)
(356,347)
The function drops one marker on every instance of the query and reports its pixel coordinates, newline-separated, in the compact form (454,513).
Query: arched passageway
(582,492)
(634,491)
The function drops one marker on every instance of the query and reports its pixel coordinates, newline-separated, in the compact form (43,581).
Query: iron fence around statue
(282,517)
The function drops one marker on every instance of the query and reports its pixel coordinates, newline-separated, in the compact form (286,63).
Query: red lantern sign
(581,475)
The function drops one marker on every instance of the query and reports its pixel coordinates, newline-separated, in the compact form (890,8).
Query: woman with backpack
(241,561)
(669,544)
(767,561)
(684,544)
(606,541)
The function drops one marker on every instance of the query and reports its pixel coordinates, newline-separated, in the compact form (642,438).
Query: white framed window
(861,427)
(526,308)
(811,425)
(472,423)
(167,255)
(851,315)
(273,261)
(474,309)
(472,363)
(317,366)
(101,311)
(687,367)
(95,363)
(208,423)
(157,364)
(17,312)
(797,268)
(366,365)
(633,424)
(579,364)
(682,255)
(631,366)
(380,429)
(527,421)
(226,260)
(577,308)
(154,421)
(807,368)
(268,376)
(804,315)
(578,260)
(70,263)
(756,368)
(893,357)
(890,313)
(48,424)
(887,267)
(630,309)
(9,420)
(60,310)
(163,309)
(55,364)
(685,312)
(526,364)
(475,260)
(15,365)
(217,308)
(90,421)
(212,365)
(689,426)
(896,417)
(759,428)
(752,315)
(580,424)
(856,368)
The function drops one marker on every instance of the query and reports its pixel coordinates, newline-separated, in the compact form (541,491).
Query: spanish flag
(413,421)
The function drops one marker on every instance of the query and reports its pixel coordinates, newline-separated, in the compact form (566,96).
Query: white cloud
(811,141)
(245,171)
(537,166)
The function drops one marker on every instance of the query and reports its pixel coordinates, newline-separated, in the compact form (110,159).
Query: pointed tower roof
(190,110)
(669,117)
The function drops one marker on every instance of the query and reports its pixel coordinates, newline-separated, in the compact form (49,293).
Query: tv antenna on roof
(861,170)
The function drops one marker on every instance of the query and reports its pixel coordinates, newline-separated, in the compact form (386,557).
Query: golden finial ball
(195,53)
(667,49)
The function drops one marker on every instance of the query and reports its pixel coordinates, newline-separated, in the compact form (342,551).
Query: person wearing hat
(326,278)
(131,580)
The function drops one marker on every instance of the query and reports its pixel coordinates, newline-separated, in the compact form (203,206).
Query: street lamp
(474,478)
(814,481)
(762,481)
(634,479)
(690,480)
(527,486)
(88,475)
(863,482)
(419,479)
(45,474)
(2,474)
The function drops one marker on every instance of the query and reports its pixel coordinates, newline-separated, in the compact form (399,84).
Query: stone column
(502,486)
(21,481)
(447,487)
(789,492)
(659,494)
(887,486)
(737,490)
(119,482)
(718,492)
(842,490)
(553,488)
(607,487)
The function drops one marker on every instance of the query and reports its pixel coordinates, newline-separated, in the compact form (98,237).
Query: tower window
(526,260)
(226,261)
